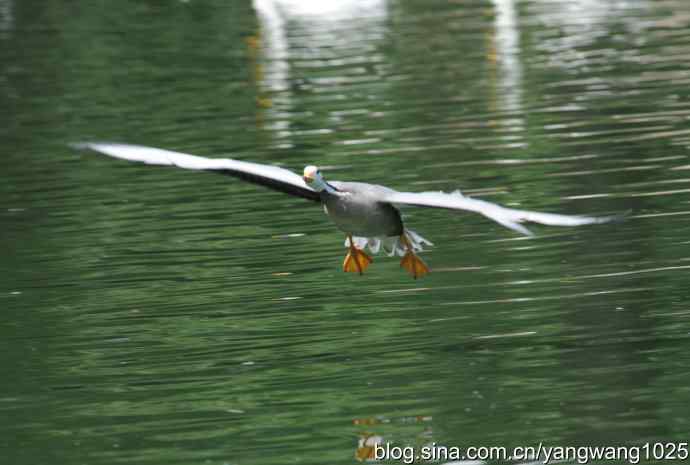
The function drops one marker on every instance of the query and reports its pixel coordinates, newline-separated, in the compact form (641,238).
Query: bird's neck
(323,186)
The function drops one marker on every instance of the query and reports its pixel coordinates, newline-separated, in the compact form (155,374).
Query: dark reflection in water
(158,316)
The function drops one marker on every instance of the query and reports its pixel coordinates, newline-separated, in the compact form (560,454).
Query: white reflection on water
(507,49)
(274,47)
(323,10)
(581,23)
(309,30)
(6,15)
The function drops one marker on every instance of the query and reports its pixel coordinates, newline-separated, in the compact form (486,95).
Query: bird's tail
(391,245)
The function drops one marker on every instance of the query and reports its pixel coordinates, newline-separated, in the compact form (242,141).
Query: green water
(157,316)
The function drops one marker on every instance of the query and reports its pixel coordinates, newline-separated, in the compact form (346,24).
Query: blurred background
(157,316)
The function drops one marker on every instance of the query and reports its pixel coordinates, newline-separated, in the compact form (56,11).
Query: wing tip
(94,146)
(524,231)
(616,218)
(619,217)
(81,145)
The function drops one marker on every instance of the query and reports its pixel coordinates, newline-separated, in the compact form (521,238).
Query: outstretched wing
(508,217)
(273,177)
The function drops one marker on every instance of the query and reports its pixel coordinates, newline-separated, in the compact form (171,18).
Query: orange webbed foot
(414,265)
(356,261)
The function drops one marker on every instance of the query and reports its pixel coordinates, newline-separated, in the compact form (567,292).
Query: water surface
(160,316)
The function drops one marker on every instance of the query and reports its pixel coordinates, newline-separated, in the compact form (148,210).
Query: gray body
(356,208)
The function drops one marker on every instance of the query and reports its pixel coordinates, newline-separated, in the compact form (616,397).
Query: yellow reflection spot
(253,42)
(264,102)
(365,446)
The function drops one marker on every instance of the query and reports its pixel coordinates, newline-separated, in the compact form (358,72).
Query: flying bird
(367,213)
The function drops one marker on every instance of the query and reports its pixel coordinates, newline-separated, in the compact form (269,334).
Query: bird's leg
(356,260)
(411,262)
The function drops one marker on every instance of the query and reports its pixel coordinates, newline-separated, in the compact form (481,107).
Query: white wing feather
(270,176)
(508,217)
